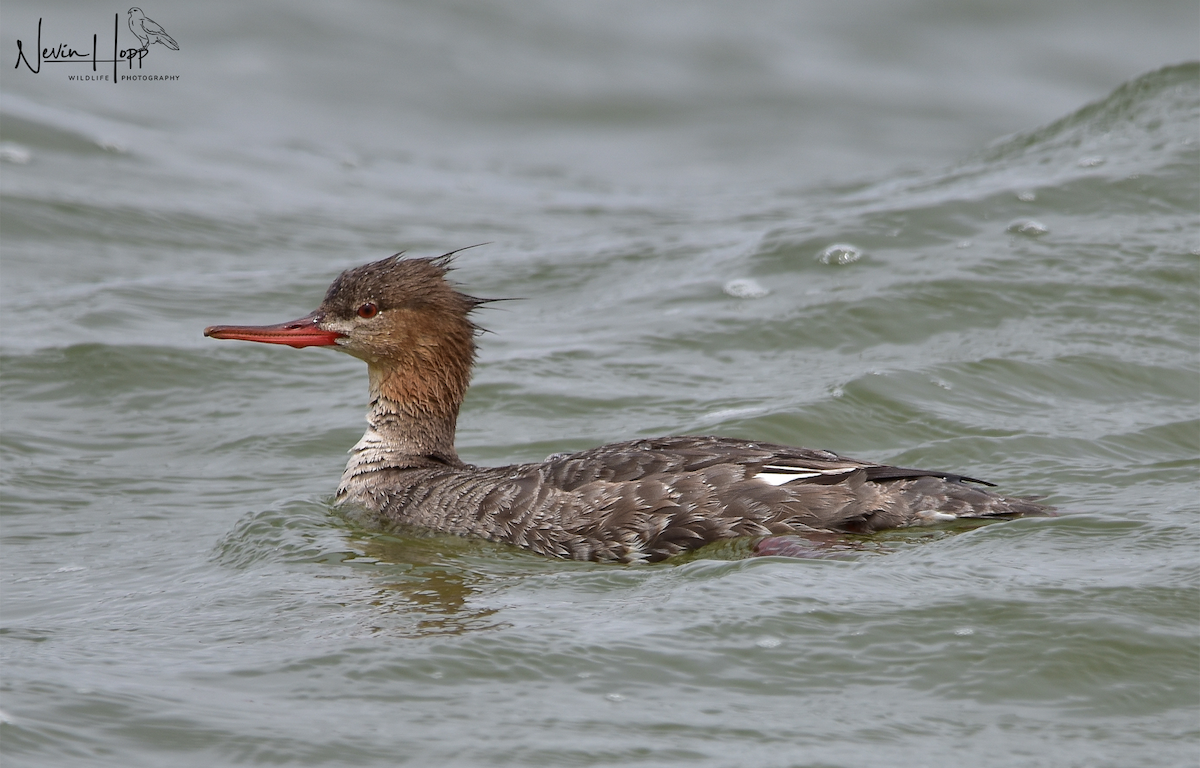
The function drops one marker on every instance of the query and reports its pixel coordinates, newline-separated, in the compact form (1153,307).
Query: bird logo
(149,31)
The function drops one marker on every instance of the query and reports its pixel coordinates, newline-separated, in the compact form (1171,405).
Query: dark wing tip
(883,472)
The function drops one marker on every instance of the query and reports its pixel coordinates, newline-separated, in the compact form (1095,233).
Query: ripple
(14,153)
(292,532)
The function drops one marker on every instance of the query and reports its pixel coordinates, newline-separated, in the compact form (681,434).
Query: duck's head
(399,315)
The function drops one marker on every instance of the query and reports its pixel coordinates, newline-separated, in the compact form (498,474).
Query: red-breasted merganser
(637,501)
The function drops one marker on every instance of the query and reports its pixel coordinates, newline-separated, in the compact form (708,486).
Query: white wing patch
(775,475)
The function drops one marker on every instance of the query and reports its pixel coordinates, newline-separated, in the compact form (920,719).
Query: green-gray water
(840,229)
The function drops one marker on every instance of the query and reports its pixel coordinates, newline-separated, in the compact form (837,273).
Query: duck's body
(643,500)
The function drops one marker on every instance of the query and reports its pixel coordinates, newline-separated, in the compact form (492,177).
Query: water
(962,237)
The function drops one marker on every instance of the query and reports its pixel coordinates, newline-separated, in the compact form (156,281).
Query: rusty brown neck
(413,418)
(419,365)
(401,434)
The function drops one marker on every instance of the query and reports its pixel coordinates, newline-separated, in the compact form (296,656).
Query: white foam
(840,253)
(745,288)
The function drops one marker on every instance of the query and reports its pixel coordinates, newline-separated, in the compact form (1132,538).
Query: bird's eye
(368,310)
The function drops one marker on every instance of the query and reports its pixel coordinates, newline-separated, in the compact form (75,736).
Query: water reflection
(422,581)
(446,585)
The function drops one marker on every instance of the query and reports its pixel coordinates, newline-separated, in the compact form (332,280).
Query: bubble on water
(70,569)
(964,631)
(768,642)
(1028,196)
(963,244)
(614,697)
(15,153)
(1028,227)
(6,718)
(840,253)
(745,288)
(1091,161)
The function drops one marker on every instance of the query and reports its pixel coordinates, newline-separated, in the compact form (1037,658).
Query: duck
(637,501)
